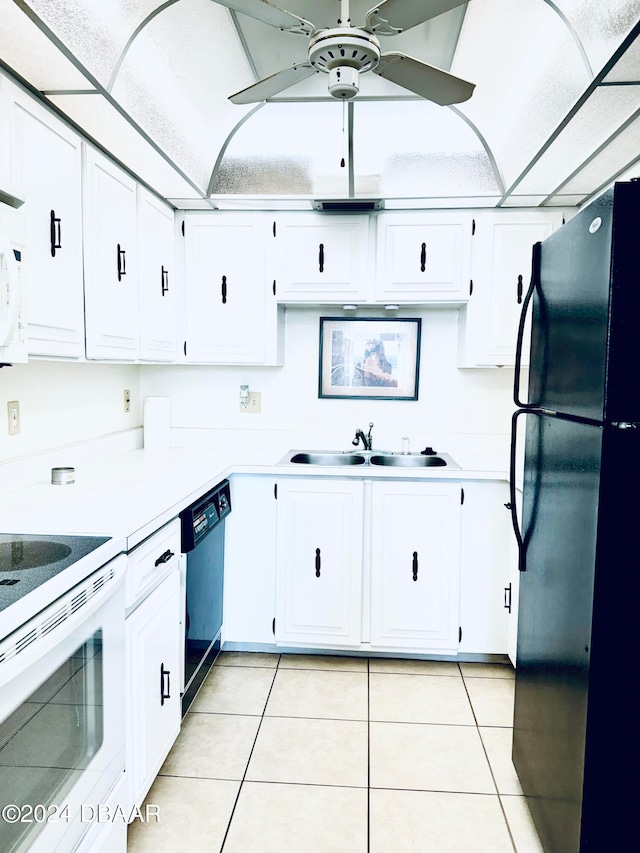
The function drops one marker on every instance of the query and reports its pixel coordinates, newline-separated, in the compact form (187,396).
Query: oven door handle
(164,695)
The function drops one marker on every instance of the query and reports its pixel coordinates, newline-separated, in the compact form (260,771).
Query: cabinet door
(486,537)
(423,257)
(415,566)
(157,279)
(111,269)
(231,312)
(153,684)
(319,562)
(48,157)
(501,272)
(322,258)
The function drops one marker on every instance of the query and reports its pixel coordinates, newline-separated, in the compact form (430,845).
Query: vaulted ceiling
(555,115)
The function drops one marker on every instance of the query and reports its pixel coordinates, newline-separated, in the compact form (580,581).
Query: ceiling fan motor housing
(343,53)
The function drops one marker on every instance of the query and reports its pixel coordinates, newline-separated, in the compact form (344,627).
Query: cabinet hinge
(183,227)
(274,228)
(461,496)
(460,634)
(185,348)
(275,491)
(470,286)
(473,227)
(273,626)
(274,287)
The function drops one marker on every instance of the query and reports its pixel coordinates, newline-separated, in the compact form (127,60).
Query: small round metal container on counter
(63,476)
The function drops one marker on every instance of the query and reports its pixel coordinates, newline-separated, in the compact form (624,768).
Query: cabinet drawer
(150,562)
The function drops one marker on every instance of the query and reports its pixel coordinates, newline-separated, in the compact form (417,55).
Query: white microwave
(13,325)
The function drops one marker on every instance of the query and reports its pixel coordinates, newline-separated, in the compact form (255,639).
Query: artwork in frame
(369,358)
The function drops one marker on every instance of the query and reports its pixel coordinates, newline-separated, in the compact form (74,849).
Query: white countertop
(132,494)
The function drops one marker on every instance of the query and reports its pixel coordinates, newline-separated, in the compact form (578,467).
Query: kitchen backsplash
(63,403)
(451,401)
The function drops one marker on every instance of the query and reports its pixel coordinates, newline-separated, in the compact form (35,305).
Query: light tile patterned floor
(321,754)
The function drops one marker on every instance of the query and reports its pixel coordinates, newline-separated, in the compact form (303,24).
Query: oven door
(62,715)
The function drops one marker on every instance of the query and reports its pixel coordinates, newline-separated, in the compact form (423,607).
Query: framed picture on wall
(369,358)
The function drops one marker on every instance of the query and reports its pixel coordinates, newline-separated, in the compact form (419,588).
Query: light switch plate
(254,404)
(13,416)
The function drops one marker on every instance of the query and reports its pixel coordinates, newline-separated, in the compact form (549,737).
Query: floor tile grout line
(486,755)
(368,755)
(244,775)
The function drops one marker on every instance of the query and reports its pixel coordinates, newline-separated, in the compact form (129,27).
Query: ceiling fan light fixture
(344,82)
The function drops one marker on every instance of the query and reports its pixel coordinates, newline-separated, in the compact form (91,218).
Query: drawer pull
(507,598)
(423,257)
(164,558)
(321,257)
(164,280)
(414,565)
(164,695)
(520,286)
(318,561)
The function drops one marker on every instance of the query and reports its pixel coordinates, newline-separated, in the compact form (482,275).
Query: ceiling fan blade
(396,16)
(425,80)
(269,13)
(270,86)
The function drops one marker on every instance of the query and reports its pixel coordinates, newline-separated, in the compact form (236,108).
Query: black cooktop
(27,560)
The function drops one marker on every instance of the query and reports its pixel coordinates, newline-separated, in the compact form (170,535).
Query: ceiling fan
(344,52)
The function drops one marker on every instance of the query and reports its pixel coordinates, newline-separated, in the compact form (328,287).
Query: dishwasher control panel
(202,516)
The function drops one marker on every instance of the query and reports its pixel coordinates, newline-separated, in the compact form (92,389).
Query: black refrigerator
(575,735)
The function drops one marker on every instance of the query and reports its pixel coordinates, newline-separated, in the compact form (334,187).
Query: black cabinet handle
(321,257)
(317,562)
(122,263)
(423,257)
(519,290)
(164,695)
(224,290)
(164,280)
(414,565)
(164,558)
(55,233)
(507,598)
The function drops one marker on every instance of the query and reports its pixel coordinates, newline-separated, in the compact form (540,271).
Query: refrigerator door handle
(512,491)
(535,277)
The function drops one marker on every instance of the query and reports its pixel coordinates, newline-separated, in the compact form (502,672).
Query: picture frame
(369,358)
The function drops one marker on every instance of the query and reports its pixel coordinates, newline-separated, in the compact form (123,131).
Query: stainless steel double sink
(331,459)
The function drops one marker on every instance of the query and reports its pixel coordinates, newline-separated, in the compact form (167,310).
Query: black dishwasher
(202,526)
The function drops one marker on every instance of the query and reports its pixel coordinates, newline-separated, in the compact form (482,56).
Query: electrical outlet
(254,404)
(13,413)
(127,400)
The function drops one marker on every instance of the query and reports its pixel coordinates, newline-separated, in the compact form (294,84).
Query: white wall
(453,404)
(63,403)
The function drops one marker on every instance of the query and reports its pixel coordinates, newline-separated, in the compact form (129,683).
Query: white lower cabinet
(319,562)
(153,684)
(355,557)
(415,534)
(486,538)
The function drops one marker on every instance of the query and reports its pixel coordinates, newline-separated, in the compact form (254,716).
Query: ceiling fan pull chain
(342,161)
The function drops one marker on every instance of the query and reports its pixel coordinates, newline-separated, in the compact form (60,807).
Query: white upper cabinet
(232,316)
(423,257)
(48,163)
(158,281)
(501,273)
(322,258)
(110,260)
(415,565)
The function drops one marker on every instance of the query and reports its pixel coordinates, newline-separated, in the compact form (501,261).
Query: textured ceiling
(554,117)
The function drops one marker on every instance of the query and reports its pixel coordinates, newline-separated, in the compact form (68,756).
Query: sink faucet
(366,440)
